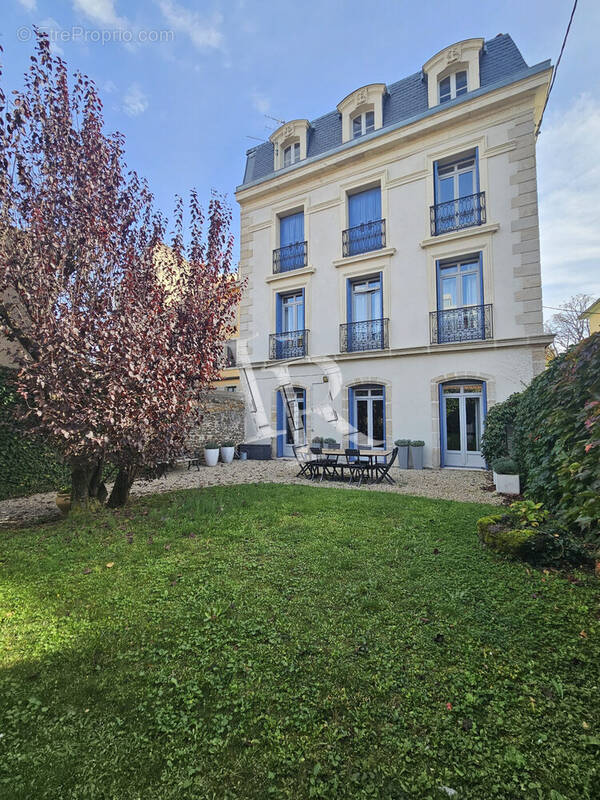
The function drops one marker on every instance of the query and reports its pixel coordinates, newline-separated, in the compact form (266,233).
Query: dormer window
(452,72)
(291,154)
(290,143)
(363,123)
(453,85)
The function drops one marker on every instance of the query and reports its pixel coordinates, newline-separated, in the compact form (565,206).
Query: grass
(291,642)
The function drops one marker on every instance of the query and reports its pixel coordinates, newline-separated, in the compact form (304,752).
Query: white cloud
(102,12)
(205,35)
(109,87)
(568,159)
(135,101)
(29,5)
(260,102)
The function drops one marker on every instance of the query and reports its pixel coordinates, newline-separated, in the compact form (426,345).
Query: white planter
(211,456)
(507,484)
(227,454)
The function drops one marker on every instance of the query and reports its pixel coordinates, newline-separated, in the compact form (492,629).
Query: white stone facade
(498,126)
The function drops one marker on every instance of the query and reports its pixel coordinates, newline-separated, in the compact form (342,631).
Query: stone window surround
(463,55)
(367,98)
(288,134)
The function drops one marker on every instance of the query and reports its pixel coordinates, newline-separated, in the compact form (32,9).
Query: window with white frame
(452,86)
(291,154)
(363,123)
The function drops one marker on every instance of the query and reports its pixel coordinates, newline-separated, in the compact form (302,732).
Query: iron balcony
(291,344)
(465,324)
(464,212)
(293,256)
(363,238)
(371,334)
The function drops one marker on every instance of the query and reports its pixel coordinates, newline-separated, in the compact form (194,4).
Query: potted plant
(331,444)
(63,499)
(402,445)
(506,476)
(416,453)
(227,451)
(317,441)
(211,453)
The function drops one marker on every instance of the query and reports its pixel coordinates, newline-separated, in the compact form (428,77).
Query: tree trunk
(123,483)
(86,481)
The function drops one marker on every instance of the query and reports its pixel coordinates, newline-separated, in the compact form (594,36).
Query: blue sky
(188,105)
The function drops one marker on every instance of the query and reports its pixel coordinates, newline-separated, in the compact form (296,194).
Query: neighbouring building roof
(500,62)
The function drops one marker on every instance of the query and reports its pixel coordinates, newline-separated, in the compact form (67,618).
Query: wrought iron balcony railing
(291,344)
(372,334)
(293,256)
(465,324)
(464,212)
(363,238)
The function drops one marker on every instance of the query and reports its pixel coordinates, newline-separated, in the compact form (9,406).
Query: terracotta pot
(63,501)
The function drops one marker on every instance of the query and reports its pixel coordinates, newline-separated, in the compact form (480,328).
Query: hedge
(557,436)
(499,424)
(27,465)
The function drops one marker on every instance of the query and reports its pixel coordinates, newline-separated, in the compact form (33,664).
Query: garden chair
(306,463)
(382,470)
(356,465)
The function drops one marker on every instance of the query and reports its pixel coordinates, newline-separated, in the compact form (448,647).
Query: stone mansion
(391,253)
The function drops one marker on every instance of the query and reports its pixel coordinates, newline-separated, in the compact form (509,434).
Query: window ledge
(290,273)
(383,252)
(463,233)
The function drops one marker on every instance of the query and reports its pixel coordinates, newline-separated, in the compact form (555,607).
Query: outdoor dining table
(376,468)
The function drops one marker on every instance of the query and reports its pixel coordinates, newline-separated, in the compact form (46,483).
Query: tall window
(290,338)
(367,415)
(363,123)
(366,228)
(291,154)
(366,300)
(291,253)
(292,312)
(458,202)
(460,283)
(453,86)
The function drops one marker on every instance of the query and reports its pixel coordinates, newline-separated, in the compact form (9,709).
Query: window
(292,251)
(458,201)
(366,228)
(366,300)
(363,123)
(461,315)
(367,416)
(291,154)
(366,329)
(453,86)
(289,341)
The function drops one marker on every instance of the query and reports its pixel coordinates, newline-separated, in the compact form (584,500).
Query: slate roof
(500,58)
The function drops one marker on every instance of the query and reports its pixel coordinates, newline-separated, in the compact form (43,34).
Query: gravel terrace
(448,484)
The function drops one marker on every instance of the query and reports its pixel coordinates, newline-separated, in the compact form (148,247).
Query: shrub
(417,443)
(558,437)
(497,441)
(528,513)
(317,441)
(27,464)
(553,546)
(330,441)
(228,443)
(505,466)
(402,442)
(211,444)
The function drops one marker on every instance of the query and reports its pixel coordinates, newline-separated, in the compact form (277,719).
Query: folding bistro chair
(304,460)
(382,470)
(356,465)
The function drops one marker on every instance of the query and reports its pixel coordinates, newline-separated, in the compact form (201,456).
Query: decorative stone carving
(360,97)
(453,54)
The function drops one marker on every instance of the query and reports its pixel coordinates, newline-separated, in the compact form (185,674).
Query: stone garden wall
(222,419)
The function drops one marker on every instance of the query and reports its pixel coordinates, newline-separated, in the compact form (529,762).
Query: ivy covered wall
(27,465)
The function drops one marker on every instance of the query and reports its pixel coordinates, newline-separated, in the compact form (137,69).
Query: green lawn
(291,642)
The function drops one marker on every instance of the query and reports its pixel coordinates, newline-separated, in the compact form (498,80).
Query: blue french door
(291,241)
(455,195)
